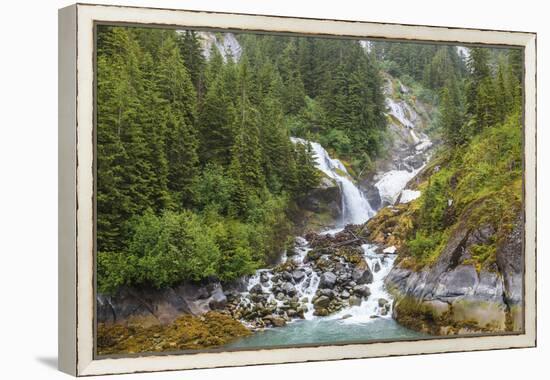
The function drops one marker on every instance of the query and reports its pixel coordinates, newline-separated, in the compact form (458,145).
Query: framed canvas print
(243,189)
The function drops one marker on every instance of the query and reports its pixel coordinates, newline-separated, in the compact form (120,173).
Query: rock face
(453,296)
(322,205)
(160,306)
(407,121)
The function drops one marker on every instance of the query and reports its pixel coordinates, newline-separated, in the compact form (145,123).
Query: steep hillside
(459,243)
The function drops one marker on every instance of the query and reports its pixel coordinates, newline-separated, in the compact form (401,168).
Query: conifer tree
(217,119)
(176,89)
(191,52)
(452,113)
(294,98)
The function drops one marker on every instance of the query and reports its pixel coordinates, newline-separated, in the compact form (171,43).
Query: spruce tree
(177,90)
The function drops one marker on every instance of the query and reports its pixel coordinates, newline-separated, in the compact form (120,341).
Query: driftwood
(347,242)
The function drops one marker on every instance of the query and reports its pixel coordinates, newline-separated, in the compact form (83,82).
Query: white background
(28,187)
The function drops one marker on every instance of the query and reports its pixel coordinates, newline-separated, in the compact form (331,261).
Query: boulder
(298,276)
(264,277)
(286,276)
(288,289)
(327,280)
(327,293)
(382,302)
(218,299)
(277,321)
(355,301)
(362,276)
(321,302)
(256,289)
(326,199)
(361,291)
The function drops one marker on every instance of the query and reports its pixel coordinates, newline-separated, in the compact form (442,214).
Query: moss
(420,316)
(483,255)
(417,316)
(351,254)
(185,333)
(393,225)
(478,184)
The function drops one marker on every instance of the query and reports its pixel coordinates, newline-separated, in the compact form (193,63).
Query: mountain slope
(459,243)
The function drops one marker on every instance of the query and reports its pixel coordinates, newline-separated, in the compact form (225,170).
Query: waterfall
(391,184)
(291,292)
(355,207)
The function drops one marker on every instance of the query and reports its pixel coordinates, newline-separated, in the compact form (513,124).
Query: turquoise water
(323,331)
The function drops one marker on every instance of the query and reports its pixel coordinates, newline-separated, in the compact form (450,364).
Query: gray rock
(256,289)
(286,276)
(355,301)
(510,263)
(345,294)
(288,289)
(298,275)
(277,321)
(362,276)
(361,290)
(327,293)
(326,198)
(376,267)
(382,302)
(322,302)
(218,299)
(264,277)
(327,280)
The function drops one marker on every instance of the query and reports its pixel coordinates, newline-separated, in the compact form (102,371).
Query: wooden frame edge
(67,281)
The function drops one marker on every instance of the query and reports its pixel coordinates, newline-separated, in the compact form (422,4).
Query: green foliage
(174,247)
(480,181)
(214,189)
(162,251)
(423,245)
(196,170)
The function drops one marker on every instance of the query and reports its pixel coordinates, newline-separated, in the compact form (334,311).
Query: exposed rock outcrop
(322,205)
(454,295)
(153,306)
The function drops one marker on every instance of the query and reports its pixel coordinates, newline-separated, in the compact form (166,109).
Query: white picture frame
(76,186)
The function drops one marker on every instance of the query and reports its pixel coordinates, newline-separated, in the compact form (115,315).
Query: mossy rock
(185,333)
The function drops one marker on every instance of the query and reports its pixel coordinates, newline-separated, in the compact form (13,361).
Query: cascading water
(379,303)
(391,184)
(355,207)
(305,280)
(371,319)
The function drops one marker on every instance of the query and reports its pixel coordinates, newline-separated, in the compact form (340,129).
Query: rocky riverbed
(322,276)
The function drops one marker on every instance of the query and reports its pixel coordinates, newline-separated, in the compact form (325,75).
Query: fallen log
(347,242)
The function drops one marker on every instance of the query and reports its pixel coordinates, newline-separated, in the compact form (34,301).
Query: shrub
(162,251)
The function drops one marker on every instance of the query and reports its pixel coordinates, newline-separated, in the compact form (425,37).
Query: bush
(214,189)
(423,246)
(174,247)
(162,251)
